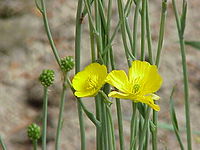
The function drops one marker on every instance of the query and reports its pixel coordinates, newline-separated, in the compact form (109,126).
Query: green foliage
(195,44)
(39,5)
(174,120)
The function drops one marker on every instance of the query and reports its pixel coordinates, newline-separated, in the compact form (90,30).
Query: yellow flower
(88,82)
(140,84)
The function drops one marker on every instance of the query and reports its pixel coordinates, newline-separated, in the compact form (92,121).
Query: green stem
(35,144)
(159,48)
(90,115)
(2,144)
(162,30)
(44,118)
(127,6)
(120,124)
(133,125)
(98,117)
(146,144)
(90,16)
(119,111)
(48,31)
(143,25)
(123,30)
(135,27)
(61,110)
(185,75)
(104,126)
(77,69)
(111,128)
(144,129)
(149,40)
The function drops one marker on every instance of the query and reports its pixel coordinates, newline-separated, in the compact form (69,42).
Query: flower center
(136,88)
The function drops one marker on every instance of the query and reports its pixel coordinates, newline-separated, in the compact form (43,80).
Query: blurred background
(25,52)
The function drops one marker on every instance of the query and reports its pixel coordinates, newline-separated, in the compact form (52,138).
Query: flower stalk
(44,118)
(2,144)
(180,28)
(61,110)
(77,68)
(157,62)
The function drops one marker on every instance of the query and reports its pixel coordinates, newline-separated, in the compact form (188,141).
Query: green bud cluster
(47,77)
(33,132)
(67,63)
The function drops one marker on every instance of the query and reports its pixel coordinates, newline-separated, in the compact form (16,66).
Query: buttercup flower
(142,81)
(88,82)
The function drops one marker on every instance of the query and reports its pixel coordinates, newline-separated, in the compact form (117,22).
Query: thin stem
(123,30)
(143,33)
(2,144)
(149,40)
(77,69)
(90,115)
(104,126)
(90,16)
(98,117)
(159,48)
(61,110)
(119,111)
(127,6)
(185,75)
(133,125)
(44,118)
(120,124)
(82,125)
(48,31)
(146,144)
(135,27)
(111,127)
(35,144)
(144,129)
(109,130)
(162,30)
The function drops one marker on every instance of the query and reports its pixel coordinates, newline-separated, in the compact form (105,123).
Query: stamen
(92,82)
(136,88)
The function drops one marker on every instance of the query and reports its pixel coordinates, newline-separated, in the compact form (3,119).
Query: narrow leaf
(183,16)
(90,115)
(174,119)
(39,5)
(195,44)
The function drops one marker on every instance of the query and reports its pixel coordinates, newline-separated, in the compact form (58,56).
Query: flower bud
(33,132)
(67,63)
(47,77)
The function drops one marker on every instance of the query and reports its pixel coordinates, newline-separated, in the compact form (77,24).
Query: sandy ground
(25,51)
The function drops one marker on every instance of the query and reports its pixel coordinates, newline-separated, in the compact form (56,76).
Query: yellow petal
(138,70)
(146,75)
(96,68)
(153,81)
(149,101)
(90,80)
(79,81)
(118,79)
(85,93)
(154,96)
(119,95)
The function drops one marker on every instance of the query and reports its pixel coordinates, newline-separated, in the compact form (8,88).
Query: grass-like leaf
(174,120)
(195,44)
(39,5)
(2,144)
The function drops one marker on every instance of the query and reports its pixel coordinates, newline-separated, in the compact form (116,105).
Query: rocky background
(25,52)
